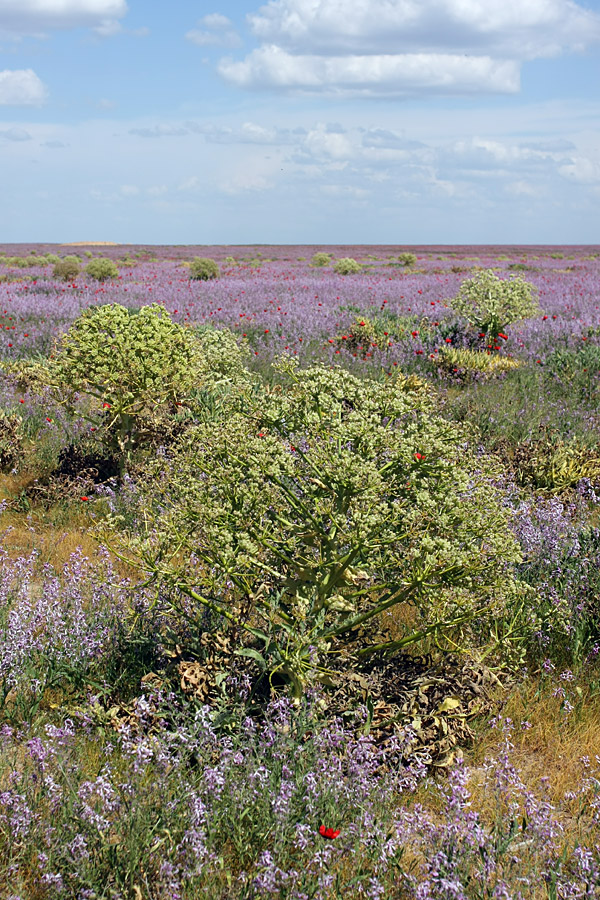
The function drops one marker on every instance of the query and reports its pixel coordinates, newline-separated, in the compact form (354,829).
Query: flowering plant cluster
(491,304)
(318,507)
(130,366)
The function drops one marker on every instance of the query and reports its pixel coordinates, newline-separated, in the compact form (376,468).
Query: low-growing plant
(555,465)
(102,269)
(491,304)
(318,508)
(363,336)
(346,266)
(11,441)
(465,363)
(203,269)
(66,268)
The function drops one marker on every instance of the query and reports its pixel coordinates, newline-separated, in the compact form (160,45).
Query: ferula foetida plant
(128,364)
(490,303)
(318,507)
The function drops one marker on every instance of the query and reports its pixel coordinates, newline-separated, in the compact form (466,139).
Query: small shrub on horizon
(347,266)
(321,259)
(203,269)
(102,269)
(66,268)
(407,259)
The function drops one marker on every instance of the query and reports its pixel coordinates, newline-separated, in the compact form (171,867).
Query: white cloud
(37,16)
(15,134)
(156,131)
(520,28)
(406,47)
(375,75)
(244,181)
(108,28)
(209,38)
(216,20)
(215,30)
(21,87)
(522,189)
(583,170)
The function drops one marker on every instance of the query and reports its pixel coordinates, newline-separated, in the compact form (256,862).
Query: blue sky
(300,121)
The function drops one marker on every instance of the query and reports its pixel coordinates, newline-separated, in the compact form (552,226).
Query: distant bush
(347,266)
(102,269)
(203,269)
(490,303)
(321,259)
(67,268)
(52,259)
(407,259)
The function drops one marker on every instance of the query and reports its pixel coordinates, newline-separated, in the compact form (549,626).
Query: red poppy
(420,456)
(328,832)
(84,498)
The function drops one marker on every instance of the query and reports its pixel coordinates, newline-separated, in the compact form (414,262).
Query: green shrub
(321,259)
(52,259)
(490,303)
(67,268)
(203,269)
(132,366)
(407,259)
(316,509)
(102,269)
(346,266)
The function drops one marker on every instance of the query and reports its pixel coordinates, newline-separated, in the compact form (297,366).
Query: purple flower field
(285,305)
(147,750)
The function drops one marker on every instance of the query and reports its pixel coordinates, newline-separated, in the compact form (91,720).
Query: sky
(300,121)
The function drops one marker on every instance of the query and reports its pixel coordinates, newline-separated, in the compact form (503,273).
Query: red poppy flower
(84,498)
(420,456)
(328,832)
